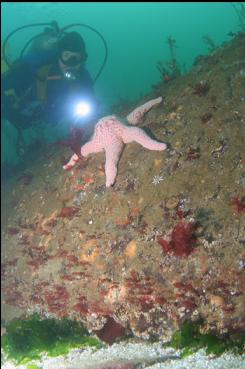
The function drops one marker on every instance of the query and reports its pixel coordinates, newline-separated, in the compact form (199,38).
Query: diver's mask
(72,61)
(70,72)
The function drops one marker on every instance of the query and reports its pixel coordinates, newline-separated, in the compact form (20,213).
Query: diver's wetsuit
(60,93)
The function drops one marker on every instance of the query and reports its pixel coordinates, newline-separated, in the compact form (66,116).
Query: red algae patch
(182,240)
(238,204)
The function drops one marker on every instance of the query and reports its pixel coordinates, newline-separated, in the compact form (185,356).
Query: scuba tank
(48,40)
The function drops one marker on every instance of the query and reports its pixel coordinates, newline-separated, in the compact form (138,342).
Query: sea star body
(111,135)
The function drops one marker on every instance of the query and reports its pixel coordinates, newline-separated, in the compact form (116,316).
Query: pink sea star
(110,135)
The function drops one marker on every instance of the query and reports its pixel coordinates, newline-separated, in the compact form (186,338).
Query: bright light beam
(83,109)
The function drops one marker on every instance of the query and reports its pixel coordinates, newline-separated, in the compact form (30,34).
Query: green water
(135,34)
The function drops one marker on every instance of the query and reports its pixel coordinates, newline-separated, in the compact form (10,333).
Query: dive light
(83,109)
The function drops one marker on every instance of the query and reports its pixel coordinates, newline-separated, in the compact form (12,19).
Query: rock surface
(165,244)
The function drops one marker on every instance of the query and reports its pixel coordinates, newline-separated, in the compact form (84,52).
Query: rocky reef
(165,245)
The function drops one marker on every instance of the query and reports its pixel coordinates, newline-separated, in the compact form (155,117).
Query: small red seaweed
(160,300)
(81,307)
(57,299)
(12,262)
(228,308)
(165,244)
(189,304)
(72,260)
(238,204)
(68,212)
(67,277)
(100,309)
(12,230)
(193,153)
(14,298)
(220,284)
(79,275)
(135,275)
(185,287)
(182,240)
(179,284)
(182,211)
(59,254)
(145,304)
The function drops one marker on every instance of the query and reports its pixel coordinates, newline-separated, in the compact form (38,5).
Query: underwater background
(149,271)
(135,32)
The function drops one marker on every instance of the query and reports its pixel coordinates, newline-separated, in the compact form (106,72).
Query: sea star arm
(112,155)
(135,116)
(86,149)
(91,146)
(73,160)
(111,135)
(136,134)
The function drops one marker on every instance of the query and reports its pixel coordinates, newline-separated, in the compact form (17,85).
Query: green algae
(27,339)
(33,366)
(190,339)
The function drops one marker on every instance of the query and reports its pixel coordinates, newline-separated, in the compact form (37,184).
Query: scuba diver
(50,84)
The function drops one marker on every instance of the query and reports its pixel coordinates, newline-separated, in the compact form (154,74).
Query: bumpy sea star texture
(110,135)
